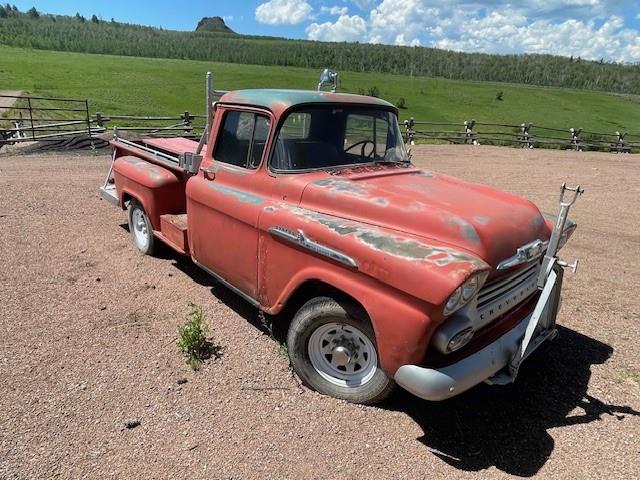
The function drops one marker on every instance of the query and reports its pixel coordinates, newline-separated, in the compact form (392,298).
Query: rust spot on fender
(407,249)
(381,201)
(414,250)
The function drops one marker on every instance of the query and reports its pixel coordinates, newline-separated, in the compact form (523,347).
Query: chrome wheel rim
(140,230)
(342,355)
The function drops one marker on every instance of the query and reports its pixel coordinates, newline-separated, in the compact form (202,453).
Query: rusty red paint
(414,235)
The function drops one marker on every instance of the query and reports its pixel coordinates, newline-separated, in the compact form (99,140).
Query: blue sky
(594,29)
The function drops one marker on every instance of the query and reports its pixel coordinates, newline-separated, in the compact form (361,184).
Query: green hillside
(126,85)
(77,34)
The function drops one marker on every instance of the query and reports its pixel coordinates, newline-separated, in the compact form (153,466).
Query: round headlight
(469,288)
(453,301)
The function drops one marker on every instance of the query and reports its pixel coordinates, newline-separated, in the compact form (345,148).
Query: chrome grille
(500,296)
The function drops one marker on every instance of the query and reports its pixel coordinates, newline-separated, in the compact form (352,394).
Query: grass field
(130,85)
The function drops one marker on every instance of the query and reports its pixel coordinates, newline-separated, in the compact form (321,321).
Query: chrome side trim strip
(305,242)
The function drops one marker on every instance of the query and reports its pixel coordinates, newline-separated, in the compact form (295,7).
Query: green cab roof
(280,100)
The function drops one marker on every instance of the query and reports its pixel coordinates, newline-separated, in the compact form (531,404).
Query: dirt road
(88,329)
(7,101)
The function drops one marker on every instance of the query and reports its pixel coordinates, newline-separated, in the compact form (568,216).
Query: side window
(242,139)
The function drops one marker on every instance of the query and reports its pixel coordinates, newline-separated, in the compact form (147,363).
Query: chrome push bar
(550,257)
(550,282)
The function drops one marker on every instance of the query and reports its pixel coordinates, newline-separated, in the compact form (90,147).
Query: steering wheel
(364,144)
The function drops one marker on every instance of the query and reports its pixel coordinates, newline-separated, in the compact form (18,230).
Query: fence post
(468,132)
(86,106)
(525,137)
(574,141)
(99,120)
(410,131)
(33,132)
(186,119)
(620,146)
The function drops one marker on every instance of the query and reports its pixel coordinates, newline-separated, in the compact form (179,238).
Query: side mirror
(190,162)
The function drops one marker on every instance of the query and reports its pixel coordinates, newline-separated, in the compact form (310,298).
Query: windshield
(325,137)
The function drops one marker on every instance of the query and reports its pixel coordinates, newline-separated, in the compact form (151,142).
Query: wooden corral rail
(30,119)
(525,135)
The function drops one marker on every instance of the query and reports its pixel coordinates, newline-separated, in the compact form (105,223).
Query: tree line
(33,29)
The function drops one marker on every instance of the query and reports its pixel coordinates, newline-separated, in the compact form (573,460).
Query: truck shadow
(223,294)
(503,427)
(508,427)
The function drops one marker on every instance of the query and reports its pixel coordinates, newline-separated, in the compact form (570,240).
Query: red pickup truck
(307,205)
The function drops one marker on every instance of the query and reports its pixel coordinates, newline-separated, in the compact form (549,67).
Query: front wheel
(332,349)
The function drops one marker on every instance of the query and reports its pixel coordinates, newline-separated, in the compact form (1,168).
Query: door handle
(209,173)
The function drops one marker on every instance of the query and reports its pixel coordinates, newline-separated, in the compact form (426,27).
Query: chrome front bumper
(498,362)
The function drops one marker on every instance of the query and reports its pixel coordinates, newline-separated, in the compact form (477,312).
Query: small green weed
(93,149)
(193,341)
(281,348)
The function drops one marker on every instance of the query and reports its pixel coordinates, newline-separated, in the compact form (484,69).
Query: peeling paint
(467,229)
(239,195)
(342,186)
(482,219)
(389,244)
(155,172)
(270,209)
(413,250)
(381,201)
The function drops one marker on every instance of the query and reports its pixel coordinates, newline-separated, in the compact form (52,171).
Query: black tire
(320,314)
(149,247)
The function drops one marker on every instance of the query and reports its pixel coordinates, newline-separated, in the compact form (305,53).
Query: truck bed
(175,146)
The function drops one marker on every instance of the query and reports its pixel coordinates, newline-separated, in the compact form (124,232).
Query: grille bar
(495,289)
(503,295)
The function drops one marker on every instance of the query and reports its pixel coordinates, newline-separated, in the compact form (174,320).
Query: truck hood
(488,223)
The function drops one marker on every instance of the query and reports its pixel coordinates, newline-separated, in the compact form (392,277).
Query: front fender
(400,281)
(421,268)
(401,323)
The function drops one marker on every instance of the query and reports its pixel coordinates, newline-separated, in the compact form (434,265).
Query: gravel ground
(88,330)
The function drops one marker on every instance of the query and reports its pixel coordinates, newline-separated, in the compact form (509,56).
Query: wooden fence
(28,119)
(525,135)
(34,119)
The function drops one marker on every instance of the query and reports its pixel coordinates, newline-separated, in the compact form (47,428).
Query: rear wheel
(140,228)
(332,349)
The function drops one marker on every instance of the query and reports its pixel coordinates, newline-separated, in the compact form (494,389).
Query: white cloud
(497,33)
(334,10)
(278,12)
(346,28)
(592,29)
